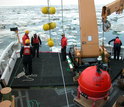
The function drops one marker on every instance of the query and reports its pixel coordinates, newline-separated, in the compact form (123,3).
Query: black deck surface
(116,67)
(41,93)
(44,97)
(48,69)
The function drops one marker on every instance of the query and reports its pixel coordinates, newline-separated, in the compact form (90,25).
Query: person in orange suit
(25,37)
(63,46)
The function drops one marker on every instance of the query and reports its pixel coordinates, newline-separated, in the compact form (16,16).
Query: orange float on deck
(93,83)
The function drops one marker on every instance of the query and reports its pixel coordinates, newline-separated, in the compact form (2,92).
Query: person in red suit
(63,46)
(117,47)
(26,54)
(25,37)
(36,43)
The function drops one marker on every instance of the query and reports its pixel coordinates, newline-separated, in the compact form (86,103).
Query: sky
(44,2)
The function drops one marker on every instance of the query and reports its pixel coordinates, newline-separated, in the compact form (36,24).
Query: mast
(88,29)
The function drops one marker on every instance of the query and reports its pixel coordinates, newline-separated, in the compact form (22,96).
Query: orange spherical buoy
(50,43)
(94,84)
(46,27)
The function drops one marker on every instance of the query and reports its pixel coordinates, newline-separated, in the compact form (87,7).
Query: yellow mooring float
(49,26)
(52,25)
(52,10)
(45,10)
(48,10)
(46,27)
(50,43)
(49,39)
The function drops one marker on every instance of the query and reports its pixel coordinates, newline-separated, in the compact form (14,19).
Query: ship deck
(54,85)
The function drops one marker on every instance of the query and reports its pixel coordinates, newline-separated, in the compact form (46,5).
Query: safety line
(16,72)
(49,16)
(62,14)
(63,80)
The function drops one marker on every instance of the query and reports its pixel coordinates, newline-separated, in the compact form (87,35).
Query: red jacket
(36,40)
(27,50)
(63,42)
(24,38)
(117,41)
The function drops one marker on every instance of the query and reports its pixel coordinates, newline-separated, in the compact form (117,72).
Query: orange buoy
(94,84)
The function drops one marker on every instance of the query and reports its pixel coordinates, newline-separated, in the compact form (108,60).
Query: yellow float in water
(50,43)
(46,27)
(45,10)
(52,25)
(52,10)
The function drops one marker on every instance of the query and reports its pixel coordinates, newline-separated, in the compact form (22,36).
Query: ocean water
(31,18)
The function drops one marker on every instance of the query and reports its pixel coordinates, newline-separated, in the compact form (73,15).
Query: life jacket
(64,41)
(27,50)
(117,41)
(36,40)
(24,38)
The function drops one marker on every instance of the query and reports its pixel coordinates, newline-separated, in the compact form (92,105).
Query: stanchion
(5,103)
(6,94)
(7,98)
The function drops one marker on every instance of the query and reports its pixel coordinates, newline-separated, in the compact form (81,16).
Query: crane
(88,27)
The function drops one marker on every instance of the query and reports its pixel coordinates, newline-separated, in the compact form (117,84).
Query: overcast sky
(44,2)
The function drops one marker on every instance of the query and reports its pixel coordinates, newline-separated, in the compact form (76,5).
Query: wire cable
(63,80)
(49,16)
(62,15)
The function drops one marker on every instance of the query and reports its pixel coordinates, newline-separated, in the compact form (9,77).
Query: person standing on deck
(36,42)
(116,47)
(63,46)
(26,53)
(25,37)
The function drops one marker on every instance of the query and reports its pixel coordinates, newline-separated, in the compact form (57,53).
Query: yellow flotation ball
(49,39)
(50,43)
(46,27)
(52,10)
(52,25)
(44,10)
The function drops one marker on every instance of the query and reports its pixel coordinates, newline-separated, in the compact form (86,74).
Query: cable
(49,16)
(63,80)
(62,15)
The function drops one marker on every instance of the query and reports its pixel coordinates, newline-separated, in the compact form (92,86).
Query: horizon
(5,3)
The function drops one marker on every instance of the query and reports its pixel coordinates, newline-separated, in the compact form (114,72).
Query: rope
(62,15)
(49,16)
(33,103)
(63,80)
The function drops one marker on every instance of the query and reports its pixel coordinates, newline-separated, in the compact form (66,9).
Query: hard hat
(27,32)
(27,41)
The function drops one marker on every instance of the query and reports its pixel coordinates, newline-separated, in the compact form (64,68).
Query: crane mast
(116,6)
(88,29)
